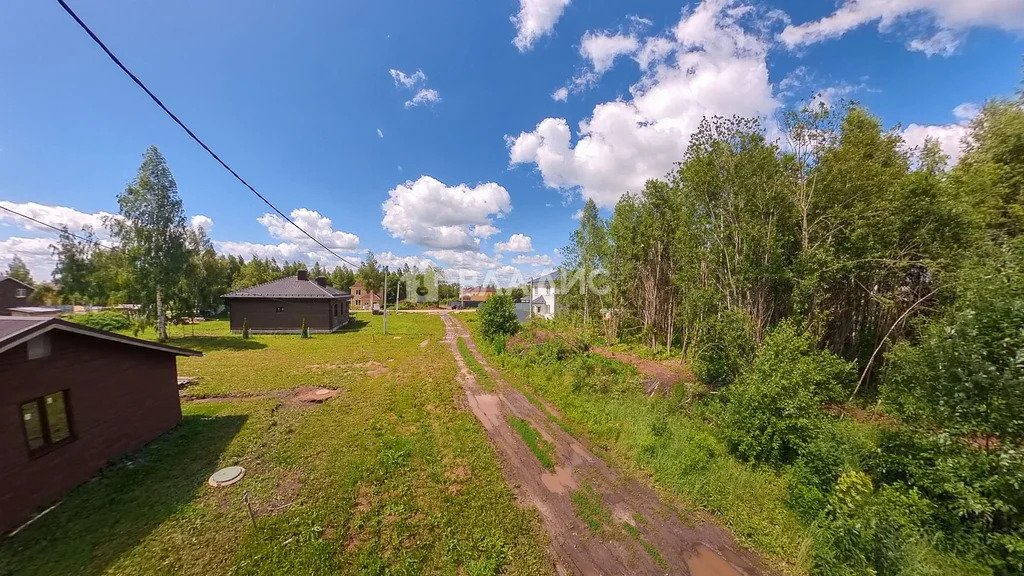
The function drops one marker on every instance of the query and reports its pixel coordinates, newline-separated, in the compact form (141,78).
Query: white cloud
(35,252)
(942,43)
(485,230)
(280,252)
(718,68)
(429,213)
(534,260)
(966,111)
(949,136)
(426,96)
(416,81)
(58,216)
(204,223)
(311,221)
(465,259)
(946,15)
(560,95)
(831,95)
(536,18)
(395,261)
(379,133)
(654,51)
(601,49)
(577,214)
(516,243)
(408,80)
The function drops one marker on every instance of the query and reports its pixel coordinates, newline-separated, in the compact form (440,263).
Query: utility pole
(385,299)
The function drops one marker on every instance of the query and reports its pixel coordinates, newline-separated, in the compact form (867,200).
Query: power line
(152,96)
(61,230)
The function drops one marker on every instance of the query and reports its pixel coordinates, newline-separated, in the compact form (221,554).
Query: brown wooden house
(72,399)
(279,307)
(13,294)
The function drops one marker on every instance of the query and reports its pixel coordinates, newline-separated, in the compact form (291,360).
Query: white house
(542,295)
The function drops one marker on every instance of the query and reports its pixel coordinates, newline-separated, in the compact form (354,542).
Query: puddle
(487,408)
(707,562)
(560,481)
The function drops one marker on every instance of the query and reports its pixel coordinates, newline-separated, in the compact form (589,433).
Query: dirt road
(630,531)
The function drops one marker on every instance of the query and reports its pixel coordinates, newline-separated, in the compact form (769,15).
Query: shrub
(867,531)
(600,375)
(834,451)
(960,393)
(104,320)
(727,347)
(498,317)
(774,408)
(978,500)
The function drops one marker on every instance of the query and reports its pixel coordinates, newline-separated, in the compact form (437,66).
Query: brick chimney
(321,281)
(303,275)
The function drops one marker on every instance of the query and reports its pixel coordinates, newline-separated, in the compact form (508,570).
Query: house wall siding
(262,315)
(119,397)
(9,296)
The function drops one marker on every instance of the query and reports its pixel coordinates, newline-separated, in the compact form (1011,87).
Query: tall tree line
(840,225)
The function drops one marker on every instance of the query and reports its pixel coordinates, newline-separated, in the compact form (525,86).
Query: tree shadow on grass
(354,325)
(216,343)
(103,519)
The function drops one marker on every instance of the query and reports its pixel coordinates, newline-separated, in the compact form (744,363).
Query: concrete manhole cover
(227,476)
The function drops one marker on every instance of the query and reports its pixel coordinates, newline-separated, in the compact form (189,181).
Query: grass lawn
(389,477)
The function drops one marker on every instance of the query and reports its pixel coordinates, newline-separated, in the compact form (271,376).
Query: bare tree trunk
(161,321)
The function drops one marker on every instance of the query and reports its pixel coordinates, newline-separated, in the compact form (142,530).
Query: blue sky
(315,103)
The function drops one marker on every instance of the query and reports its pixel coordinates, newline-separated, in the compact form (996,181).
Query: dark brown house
(278,307)
(13,294)
(72,399)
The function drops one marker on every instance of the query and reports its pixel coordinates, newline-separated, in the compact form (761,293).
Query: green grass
(589,508)
(483,379)
(651,550)
(389,477)
(540,447)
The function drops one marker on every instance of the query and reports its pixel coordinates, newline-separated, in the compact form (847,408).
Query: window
(335,308)
(21,293)
(39,347)
(45,421)
(280,309)
(359,291)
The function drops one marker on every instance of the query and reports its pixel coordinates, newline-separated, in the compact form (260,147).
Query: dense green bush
(104,320)
(774,408)
(498,317)
(834,451)
(960,394)
(867,531)
(726,348)
(591,373)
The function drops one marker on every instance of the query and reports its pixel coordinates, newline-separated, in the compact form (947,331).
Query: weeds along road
(598,520)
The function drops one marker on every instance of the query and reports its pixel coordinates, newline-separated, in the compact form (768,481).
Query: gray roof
(540,300)
(550,277)
(289,287)
(13,279)
(14,330)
